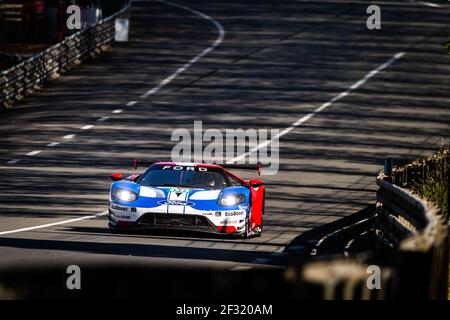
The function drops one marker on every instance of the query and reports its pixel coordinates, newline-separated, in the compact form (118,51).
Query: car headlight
(231,200)
(124,194)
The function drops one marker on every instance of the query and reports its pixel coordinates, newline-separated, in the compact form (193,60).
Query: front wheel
(259,229)
(248,232)
(112,229)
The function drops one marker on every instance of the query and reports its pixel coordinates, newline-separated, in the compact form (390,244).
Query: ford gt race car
(188,196)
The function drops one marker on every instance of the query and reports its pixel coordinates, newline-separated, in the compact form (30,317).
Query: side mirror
(116,177)
(254,183)
(134,177)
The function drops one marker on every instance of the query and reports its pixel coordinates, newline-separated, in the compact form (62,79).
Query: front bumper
(191,222)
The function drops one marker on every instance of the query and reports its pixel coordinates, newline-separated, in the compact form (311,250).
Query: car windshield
(184,176)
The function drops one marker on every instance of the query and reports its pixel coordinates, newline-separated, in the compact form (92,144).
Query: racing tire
(259,233)
(113,230)
(246,234)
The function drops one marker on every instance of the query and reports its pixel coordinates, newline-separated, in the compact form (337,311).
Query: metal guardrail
(34,73)
(418,233)
(11,11)
(339,279)
(412,252)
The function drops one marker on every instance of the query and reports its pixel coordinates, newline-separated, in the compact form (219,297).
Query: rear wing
(145,162)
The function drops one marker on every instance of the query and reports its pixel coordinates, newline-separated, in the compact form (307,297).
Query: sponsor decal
(122,216)
(177,197)
(233,213)
(120,208)
(226,221)
(176,203)
(203,169)
(179,191)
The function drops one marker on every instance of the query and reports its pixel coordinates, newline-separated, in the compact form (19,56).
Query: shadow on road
(331,238)
(142,250)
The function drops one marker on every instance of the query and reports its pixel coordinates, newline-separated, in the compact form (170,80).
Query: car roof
(196,164)
(190,164)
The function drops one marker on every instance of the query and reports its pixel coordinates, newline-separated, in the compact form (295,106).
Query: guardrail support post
(388,169)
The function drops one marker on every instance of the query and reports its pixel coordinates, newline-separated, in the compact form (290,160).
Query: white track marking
(429,4)
(148,93)
(33,153)
(241,268)
(179,71)
(53,144)
(188,64)
(13,161)
(54,223)
(102,119)
(303,119)
(69,136)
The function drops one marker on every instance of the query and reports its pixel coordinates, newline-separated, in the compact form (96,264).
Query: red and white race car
(190,196)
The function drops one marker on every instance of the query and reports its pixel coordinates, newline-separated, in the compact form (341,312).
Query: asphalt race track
(277,62)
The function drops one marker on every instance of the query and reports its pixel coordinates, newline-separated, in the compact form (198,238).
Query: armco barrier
(10,11)
(419,235)
(411,253)
(34,73)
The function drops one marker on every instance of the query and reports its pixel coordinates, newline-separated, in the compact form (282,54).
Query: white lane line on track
(148,93)
(13,161)
(430,4)
(305,118)
(53,144)
(69,136)
(241,268)
(54,223)
(33,153)
(188,64)
(87,127)
(179,71)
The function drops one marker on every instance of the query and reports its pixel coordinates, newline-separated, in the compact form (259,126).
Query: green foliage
(433,185)
(447,46)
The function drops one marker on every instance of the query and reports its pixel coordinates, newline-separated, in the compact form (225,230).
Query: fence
(34,73)
(405,176)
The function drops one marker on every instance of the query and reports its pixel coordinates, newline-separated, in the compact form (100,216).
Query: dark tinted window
(190,177)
